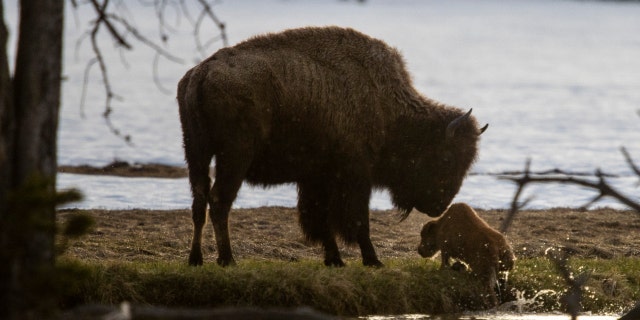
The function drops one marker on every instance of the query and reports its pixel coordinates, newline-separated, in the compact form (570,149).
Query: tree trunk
(29,107)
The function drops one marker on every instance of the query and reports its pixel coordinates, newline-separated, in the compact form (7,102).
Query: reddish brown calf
(461,234)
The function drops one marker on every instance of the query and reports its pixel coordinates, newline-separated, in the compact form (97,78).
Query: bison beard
(331,110)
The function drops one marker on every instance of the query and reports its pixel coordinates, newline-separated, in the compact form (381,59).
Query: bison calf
(460,233)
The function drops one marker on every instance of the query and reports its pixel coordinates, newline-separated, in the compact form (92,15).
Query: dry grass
(273,233)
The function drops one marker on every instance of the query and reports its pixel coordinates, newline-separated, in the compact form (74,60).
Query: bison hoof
(226,262)
(373,263)
(336,262)
(195,259)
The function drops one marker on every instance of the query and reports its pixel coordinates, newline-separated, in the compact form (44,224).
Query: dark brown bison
(461,234)
(331,110)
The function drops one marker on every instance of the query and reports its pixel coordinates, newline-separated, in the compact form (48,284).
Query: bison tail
(197,148)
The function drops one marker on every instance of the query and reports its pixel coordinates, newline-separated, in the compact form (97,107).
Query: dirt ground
(273,232)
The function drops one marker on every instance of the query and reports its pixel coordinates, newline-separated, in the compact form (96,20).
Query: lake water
(558,82)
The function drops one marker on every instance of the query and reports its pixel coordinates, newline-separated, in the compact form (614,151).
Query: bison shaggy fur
(331,110)
(461,234)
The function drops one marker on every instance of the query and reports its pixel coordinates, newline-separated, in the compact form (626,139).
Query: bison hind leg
(198,162)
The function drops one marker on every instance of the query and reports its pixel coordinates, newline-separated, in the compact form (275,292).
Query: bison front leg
(313,210)
(369,257)
(349,215)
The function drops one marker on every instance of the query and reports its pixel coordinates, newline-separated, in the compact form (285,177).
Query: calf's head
(428,246)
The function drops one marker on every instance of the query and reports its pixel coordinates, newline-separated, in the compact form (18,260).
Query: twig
(207,12)
(85,82)
(630,162)
(207,9)
(515,206)
(156,78)
(550,172)
(102,19)
(144,40)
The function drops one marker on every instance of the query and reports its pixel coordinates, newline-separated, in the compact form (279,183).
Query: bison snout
(431,211)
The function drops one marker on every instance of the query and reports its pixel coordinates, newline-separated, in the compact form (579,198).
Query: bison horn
(483,129)
(455,123)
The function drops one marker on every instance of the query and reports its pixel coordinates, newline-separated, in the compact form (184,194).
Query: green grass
(403,286)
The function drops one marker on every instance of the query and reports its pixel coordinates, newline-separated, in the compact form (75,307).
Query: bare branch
(144,40)
(632,165)
(102,19)
(156,78)
(99,59)
(605,189)
(207,12)
(515,206)
(555,171)
(118,24)
(85,82)
(207,9)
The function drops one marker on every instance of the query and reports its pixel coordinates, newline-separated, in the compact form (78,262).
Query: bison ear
(455,123)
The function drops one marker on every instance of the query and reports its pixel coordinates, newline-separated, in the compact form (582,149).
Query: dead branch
(208,12)
(515,205)
(99,59)
(630,162)
(602,186)
(549,172)
(119,27)
(103,19)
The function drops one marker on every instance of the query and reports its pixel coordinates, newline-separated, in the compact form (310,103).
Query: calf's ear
(428,229)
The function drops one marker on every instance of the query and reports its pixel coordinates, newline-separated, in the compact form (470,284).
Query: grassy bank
(403,286)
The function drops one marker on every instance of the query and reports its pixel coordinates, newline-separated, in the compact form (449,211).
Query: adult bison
(331,110)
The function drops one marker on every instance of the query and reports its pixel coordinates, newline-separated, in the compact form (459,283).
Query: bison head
(426,158)
(443,163)
(428,245)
